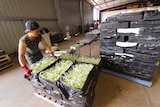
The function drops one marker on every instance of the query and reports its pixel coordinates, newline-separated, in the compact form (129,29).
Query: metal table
(87,41)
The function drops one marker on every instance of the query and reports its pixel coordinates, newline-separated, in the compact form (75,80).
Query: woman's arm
(21,53)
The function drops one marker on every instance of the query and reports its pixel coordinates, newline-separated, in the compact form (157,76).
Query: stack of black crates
(68,96)
(139,61)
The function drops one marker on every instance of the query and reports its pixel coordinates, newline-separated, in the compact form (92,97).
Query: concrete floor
(110,91)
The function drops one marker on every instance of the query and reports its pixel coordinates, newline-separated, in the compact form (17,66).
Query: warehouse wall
(52,14)
(74,13)
(88,14)
(69,14)
(13,15)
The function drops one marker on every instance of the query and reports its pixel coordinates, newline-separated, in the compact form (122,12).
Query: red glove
(26,70)
(51,54)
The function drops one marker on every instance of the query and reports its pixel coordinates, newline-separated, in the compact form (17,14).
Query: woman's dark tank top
(33,53)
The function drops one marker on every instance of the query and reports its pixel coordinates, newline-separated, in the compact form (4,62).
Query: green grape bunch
(78,75)
(69,57)
(42,64)
(91,60)
(57,70)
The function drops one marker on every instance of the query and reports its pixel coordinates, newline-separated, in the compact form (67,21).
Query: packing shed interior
(51,14)
(55,15)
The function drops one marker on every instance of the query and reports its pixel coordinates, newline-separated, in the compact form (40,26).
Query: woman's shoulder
(24,38)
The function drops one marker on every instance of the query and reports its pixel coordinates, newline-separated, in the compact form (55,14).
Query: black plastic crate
(117,25)
(107,35)
(151,49)
(111,50)
(36,83)
(70,91)
(149,37)
(57,69)
(137,24)
(144,57)
(113,39)
(107,44)
(73,103)
(130,16)
(55,93)
(151,15)
(102,26)
(112,19)
(144,66)
(150,30)
(103,30)
(43,65)
(143,40)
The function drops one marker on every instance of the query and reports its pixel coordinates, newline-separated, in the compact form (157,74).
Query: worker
(28,51)
(96,24)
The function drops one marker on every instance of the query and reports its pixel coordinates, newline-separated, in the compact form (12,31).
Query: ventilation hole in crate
(125,38)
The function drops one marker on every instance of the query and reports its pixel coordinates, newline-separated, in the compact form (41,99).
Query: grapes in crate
(91,60)
(57,70)
(42,64)
(68,57)
(78,75)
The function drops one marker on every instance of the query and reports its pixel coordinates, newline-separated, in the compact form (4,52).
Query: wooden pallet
(2,52)
(49,99)
(5,62)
